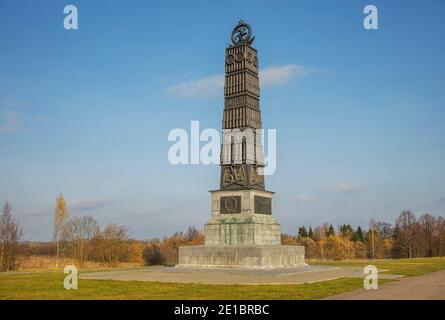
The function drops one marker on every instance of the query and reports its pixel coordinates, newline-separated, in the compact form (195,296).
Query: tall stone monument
(242,231)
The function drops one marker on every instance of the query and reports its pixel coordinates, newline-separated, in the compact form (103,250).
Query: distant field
(45,263)
(49,285)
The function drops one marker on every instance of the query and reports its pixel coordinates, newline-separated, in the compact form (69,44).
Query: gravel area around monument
(232,275)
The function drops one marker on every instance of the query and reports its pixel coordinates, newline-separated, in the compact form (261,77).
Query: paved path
(427,287)
(231,275)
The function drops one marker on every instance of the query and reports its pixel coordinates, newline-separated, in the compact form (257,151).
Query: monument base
(246,256)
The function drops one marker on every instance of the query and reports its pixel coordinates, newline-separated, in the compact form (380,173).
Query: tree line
(409,237)
(79,239)
(82,240)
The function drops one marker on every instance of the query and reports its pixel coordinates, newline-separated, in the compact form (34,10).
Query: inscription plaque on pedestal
(230,204)
(262,205)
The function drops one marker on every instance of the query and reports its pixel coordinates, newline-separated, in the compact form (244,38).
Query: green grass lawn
(408,267)
(49,285)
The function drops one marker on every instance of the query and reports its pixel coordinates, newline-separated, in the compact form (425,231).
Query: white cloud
(83,205)
(212,86)
(9,122)
(279,75)
(37,213)
(305,199)
(350,188)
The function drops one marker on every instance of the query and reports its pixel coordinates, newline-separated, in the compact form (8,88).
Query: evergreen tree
(302,233)
(346,231)
(330,231)
(397,249)
(355,237)
(347,234)
(311,233)
(341,228)
(359,235)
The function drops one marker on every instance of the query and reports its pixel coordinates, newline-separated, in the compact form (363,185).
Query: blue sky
(359,114)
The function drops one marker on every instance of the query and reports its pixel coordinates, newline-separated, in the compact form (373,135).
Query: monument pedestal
(248,256)
(242,217)
(242,233)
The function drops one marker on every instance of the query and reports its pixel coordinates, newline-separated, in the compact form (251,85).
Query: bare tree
(320,232)
(192,233)
(60,219)
(406,225)
(112,245)
(427,226)
(384,229)
(440,242)
(78,235)
(153,254)
(372,227)
(10,235)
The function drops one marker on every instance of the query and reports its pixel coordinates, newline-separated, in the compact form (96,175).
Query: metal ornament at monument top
(242,33)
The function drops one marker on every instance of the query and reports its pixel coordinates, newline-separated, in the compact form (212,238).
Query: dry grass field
(48,263)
